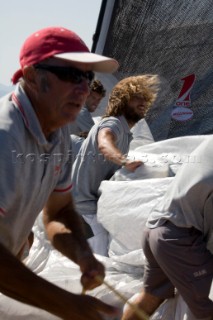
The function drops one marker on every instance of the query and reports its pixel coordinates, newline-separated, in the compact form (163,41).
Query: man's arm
(65,231)
(20,283)
(107,146)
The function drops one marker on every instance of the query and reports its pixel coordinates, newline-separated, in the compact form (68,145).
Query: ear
(30,77)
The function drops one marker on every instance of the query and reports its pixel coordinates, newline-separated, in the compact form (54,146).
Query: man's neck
(130,123)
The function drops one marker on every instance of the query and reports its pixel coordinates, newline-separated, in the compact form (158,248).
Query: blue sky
(21,18)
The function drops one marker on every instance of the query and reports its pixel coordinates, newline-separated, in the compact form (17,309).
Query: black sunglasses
(70,74)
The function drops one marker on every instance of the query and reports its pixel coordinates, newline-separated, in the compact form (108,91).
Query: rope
(138,311)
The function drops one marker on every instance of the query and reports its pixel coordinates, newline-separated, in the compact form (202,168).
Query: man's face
(61,99)
(136,109)
(93,101)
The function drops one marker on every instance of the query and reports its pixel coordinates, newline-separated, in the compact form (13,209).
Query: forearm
(69,244)
(20,283)
(66,233)
(112,153)
(107,146)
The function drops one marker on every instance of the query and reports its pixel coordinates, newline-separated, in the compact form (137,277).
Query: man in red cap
(35,165)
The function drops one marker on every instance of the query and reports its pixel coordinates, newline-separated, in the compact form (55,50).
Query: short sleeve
(64,182)
(113,124)
(11,165)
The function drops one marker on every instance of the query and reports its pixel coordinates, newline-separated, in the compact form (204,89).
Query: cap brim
(97,62)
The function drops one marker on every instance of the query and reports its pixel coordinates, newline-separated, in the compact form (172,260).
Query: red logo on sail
(182,111)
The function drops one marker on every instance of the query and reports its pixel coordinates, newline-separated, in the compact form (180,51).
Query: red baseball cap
(63,44)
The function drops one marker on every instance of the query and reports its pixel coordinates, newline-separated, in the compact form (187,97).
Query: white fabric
(126,222)
(126,201)
(99,242)
(141,134)
(123,207)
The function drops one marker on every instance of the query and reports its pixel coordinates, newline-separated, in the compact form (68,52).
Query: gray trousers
(178,258)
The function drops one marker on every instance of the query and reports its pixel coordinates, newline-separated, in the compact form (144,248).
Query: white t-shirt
(83,122)
(189,200)
(31,168)
(90,166)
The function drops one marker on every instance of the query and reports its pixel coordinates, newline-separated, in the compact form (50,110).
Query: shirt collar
(125,124)
(23,104)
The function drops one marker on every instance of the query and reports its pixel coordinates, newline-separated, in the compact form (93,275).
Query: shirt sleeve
(64,182)
(11,165)
(113,124)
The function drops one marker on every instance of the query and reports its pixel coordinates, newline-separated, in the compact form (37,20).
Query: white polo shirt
(31,168)
(83,122)
(189,199)
(90,166)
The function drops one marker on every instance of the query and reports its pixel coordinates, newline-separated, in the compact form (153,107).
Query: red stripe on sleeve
(2,212)
(63,190)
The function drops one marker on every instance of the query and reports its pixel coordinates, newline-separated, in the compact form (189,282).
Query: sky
(20,18)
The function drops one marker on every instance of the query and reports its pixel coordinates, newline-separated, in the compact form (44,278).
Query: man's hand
(145,302)
(132,165)
(91,270)
(45,295)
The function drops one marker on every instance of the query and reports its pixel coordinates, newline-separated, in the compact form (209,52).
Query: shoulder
(11,123)
(83,115)
(110,120)
(113,123)
(84,111)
